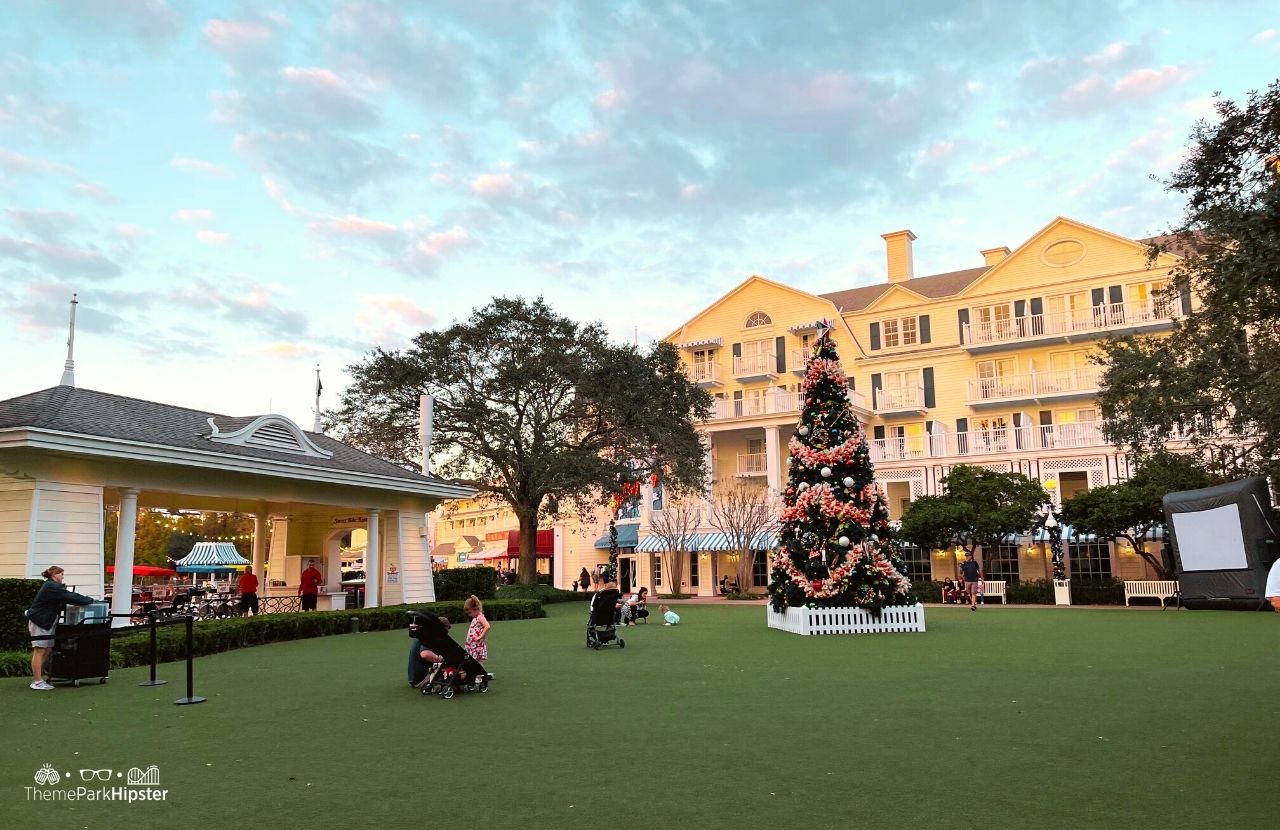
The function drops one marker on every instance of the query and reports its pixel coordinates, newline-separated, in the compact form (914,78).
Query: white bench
(994,589)
(1161,589)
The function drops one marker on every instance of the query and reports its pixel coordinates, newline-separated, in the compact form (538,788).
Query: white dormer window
(270,432)
(757,319)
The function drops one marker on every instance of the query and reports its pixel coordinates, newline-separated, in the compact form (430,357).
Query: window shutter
(928,427)
(875,336)
(780,346)
(1096,296)
(963,316)
(737,350)
(1037,306)
(737,396)
(1019,308)
(924,328)
(878,432)
(927,376)
(1017,420)
(1046,418)
(1117,294)
(877,383)
(1184,292)
(962,424)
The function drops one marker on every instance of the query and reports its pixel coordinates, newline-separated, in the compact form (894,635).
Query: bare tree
(675,527)
(745,513)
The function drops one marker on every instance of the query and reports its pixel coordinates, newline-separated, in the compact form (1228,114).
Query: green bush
(1110,593)
(544,593)
(739,595)
(674,596)
(16,596)
(460,583)
(1029,592)
(213,636)
(928,591)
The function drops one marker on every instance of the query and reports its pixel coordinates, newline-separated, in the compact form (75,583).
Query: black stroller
(460,672)
(601,624)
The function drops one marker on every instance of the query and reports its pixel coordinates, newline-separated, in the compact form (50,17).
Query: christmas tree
(835,544)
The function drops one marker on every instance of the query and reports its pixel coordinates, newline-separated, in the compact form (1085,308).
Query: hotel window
(1149,300)
(901,331)
(907,440)
(693,569)
(1001,564)
(994,320)
(1090,562)
(757,319)
(657,569)
(760,570)
(901,389)
(917,563)
(1069,312)
(753,403)
(1069,372)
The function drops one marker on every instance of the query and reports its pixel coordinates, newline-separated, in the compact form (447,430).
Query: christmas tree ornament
(848,481)
(803,430)
(826,472)
(844,541)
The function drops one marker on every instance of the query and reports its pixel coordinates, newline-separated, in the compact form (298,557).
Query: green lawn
(1008,717)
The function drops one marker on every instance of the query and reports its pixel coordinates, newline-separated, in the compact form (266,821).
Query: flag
(319,385)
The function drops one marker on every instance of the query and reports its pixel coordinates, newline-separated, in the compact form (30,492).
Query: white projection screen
(1211,540)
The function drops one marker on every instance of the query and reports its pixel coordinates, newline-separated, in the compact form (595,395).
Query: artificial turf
(1007,717)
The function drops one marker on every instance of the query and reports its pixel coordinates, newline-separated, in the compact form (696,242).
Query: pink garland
(820,495)
(810,457)
(823,367)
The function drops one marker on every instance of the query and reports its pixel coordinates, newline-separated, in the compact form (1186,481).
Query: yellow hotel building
(985,366)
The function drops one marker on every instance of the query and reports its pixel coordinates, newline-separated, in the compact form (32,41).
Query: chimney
(898,253)
(994,255)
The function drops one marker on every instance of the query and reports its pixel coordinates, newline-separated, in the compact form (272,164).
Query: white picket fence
(847,620)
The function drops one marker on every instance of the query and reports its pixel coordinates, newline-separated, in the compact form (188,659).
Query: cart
(84,656)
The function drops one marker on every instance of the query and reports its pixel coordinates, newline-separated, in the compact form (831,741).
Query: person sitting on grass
(635,607)
(669,617)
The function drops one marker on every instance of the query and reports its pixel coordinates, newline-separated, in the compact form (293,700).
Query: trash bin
(82,650)
(353,625)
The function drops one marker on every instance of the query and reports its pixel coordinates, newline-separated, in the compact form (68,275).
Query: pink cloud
(1083,93)
(235,37)
(493,185)
(1143,82)
(93,192)
(214,238)
(287,351)
(386,318)
(196,217)
(1109,54)
(438,244)
(1001,161)
(129,231)
(609,99)
(359,226)
(190,165)
(16,163)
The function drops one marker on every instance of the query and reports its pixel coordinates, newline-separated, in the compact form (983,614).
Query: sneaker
(41,686)
(973,608)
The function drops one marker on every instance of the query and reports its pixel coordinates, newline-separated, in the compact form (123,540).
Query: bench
(1161,589)
(993,589)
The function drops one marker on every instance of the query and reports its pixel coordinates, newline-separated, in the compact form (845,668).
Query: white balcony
(797,360)
(755,367)
(858,401)
(997,441)
(705,374)
(773,402)
(898,449)
(1085,434)
(904,399)
(752,463)
(1070,324)
(1082,380)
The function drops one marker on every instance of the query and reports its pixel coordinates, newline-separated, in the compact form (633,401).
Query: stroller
(601,630)
(460,672)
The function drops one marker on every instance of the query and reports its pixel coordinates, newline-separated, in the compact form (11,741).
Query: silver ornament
(848,481)
(803,430)
(826,472)
(804,485)
(844,541)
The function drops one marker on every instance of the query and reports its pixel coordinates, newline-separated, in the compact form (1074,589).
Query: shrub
(544,593)
(928,591)
(1029,592)
(1108,593)
(212,636)
(460,583)
(740,595)
(674,596)
(16,596)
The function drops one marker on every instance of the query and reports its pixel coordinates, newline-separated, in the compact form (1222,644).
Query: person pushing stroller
(602,622)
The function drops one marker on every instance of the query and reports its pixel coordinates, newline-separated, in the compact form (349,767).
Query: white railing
(988,442)
(752,463)
(797,359)
(858,400)
(991,441)
(898,449)
(758,364)
(893,400)
(1086,434)
(1096,318)
(1036,384)
(771,403)
(704,372)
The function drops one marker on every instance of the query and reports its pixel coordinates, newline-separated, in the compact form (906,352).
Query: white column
(710,464)
(122,585)
(260,547)
(372,567)
(772,438)
(333,567)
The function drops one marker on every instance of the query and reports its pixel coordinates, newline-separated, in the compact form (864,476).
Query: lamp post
(1061,585)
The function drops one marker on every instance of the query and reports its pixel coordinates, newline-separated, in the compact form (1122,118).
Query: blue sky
(239,191)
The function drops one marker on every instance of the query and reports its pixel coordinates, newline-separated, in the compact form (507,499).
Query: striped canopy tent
(212,557)
(765,540)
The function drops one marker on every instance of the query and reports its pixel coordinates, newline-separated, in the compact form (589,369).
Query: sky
(241,191)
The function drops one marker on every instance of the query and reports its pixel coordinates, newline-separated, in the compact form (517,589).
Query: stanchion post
(151,620)
(191,695)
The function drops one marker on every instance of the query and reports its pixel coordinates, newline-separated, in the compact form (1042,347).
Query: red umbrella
(146,570)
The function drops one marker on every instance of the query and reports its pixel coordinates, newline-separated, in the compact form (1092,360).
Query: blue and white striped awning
(706,341)
(805,326)
(1069,534)
(766,540)
(207,557)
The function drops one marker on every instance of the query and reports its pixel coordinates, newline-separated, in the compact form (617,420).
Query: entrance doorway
(626,573)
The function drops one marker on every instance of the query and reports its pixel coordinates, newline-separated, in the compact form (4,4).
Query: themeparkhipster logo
(135,784)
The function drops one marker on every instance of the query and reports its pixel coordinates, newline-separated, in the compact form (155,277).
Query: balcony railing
(752,463)
(1071,321)
(757,365)
(797,360)
(1086,434)
(1035,385)
(906,398)
(989,442)
(708,373)
(770,403)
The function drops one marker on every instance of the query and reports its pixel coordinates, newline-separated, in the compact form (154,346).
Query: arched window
(759,318)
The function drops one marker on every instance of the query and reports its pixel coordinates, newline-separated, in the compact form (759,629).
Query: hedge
(460,583)
(213,636)
(16,596)
(928,591)
(544,593)
(1029,592)
(1109,593)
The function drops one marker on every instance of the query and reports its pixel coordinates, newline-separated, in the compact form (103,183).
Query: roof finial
(69,370)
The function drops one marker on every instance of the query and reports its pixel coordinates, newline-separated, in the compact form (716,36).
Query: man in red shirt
(310,587)
(249,592)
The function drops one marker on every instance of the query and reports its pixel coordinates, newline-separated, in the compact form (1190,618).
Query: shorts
(972,588)
(41,637)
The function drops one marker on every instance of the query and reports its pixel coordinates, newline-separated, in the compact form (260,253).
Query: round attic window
(1064,252)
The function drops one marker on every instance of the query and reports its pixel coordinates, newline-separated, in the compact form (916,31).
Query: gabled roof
(934,286)
(68,409)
